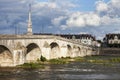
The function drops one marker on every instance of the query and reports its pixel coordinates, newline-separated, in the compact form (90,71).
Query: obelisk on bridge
(29,28)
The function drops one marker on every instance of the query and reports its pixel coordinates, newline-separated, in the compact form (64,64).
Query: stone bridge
(20,49)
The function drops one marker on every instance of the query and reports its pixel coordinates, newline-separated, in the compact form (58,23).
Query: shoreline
(88,59)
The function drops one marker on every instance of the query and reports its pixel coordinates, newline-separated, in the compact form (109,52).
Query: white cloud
(101,6)
(115,3)
(83,19)
(111,8)
(75,20)
(44,4)
(106,20)
(92,19)
(57,21)
(109,12)
(63,27)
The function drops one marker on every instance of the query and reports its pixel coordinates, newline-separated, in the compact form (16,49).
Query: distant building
(112,40)
(82,38)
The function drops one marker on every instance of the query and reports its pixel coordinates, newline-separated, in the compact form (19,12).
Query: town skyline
(96,17)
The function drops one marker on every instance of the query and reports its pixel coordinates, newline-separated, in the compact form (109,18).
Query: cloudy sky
(96,17)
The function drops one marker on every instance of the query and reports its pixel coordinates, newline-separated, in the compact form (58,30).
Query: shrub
(43,59)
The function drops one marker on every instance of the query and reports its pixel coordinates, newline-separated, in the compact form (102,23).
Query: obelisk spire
(29,28)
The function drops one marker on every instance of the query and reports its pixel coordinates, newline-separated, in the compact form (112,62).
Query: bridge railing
(71,41)
(4,37)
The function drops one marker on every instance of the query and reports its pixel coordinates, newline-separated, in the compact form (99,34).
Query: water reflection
(92,77)
(74,70)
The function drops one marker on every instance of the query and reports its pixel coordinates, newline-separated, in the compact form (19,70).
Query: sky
(96,17)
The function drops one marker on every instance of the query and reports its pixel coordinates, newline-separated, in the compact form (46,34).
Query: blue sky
(96,17)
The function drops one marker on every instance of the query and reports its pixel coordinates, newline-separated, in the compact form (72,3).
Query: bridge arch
(84,51)
(79,51)
(69,50)
(33,52)
(6,57)
(55,50)
(76,51)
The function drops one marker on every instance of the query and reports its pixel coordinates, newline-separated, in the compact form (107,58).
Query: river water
(71,71)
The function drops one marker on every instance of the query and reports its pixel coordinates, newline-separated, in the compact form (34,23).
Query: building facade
(112,40)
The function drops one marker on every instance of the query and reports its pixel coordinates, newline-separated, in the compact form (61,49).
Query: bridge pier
(89,52)
(46,52)
(63,52)
(76,51)
(19,57)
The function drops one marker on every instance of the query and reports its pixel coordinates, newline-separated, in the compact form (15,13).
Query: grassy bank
(98,59)
(31,66)
(41,63)
(60,61)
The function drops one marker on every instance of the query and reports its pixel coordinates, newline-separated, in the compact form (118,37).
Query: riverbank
(103,60)
(99,59)
(88,59)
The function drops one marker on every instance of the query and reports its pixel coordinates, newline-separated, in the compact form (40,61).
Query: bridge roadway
(19,49)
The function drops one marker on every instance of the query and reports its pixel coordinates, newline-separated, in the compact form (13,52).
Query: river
(71,71)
